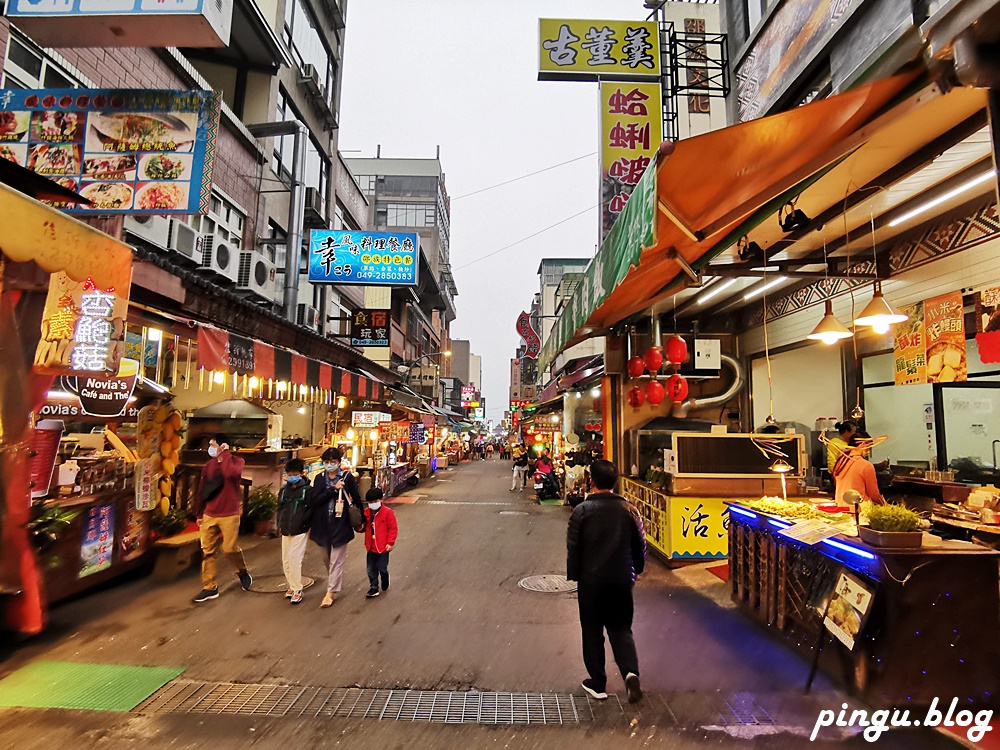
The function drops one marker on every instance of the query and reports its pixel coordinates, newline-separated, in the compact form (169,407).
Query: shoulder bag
(354,514)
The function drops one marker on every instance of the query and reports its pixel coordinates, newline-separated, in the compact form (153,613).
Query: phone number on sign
(371,273)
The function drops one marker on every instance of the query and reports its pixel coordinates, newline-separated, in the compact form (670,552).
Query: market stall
(901,625)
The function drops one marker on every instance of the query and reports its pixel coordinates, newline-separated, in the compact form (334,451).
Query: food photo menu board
(127,151)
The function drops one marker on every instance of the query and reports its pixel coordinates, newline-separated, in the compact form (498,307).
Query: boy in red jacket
(380,537)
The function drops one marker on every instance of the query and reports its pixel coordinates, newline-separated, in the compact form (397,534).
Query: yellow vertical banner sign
(631,131)
(909,347)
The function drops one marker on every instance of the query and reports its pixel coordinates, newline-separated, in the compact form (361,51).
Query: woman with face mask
(335,489)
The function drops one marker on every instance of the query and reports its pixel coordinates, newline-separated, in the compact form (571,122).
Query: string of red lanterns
(676,351)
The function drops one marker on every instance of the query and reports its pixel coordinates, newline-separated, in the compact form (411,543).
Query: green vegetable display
(892,518)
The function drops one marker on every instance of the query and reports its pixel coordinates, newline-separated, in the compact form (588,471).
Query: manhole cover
(547,584)
(513,513)
(275,584)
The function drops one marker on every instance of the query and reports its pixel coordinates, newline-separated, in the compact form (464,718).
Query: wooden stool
(175,554)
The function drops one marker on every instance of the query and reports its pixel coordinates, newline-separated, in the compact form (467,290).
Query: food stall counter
(926,628)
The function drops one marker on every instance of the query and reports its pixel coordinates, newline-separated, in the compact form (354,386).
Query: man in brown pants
(219,500)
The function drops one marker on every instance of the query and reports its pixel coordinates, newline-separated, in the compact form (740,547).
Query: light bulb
(254,381)
(373,435)
(301,410)
(595,392)
(350,434)
(153,334)
(829,338)
(219,378)
(880,326)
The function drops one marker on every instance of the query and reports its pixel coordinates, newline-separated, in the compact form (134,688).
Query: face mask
(374,506)
(331,467)
(213,451)
(294,480)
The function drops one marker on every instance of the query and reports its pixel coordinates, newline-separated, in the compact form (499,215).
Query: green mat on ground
(550,502)
(96,687)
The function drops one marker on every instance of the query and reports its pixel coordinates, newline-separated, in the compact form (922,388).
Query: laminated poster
(910,353)
(944,326)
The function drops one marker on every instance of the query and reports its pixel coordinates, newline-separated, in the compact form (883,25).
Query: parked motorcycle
(547,486)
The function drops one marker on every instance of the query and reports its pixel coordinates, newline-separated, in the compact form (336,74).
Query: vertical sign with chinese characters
(697,68)
(370,328)
(944,324)
(631,130)
(909,354)
(589,50)
(98,539)
(532,343)
(83,327)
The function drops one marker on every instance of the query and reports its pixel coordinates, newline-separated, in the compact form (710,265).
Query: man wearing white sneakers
(606,550)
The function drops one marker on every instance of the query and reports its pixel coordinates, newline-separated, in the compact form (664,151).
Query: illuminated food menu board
(127,151)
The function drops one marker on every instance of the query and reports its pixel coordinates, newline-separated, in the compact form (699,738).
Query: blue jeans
(378,564)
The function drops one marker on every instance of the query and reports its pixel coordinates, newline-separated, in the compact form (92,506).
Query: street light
(407,367)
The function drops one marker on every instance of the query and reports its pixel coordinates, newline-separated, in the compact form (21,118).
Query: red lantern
(677,350)
(677,388)
(654,392)
(636,397)
(653,360)
(636,367)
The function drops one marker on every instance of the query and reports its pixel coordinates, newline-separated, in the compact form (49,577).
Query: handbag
(354,514)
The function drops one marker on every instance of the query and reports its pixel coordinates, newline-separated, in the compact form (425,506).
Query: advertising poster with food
(127,151)
(850,604)
(910,353)
(944,326)
(988,325)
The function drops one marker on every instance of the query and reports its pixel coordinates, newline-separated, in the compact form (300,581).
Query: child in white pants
(294,516)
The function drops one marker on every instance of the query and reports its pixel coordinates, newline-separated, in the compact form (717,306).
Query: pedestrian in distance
(520,468)
(218,512)
(335,498)
(381,532)
(294,520)
(606,550)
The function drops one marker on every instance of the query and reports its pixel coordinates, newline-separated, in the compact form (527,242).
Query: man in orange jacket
(380,537)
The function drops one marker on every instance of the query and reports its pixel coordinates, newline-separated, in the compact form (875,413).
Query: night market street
(455,620)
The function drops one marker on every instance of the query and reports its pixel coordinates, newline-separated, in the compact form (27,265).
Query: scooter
(546,486)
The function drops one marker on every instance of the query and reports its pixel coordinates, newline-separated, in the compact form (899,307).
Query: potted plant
(168,524)
(47,526)
(892,526)
(262,508)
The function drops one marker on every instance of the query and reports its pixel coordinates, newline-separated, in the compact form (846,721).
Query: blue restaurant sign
(342,257)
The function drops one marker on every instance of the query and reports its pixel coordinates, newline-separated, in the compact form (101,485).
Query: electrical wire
(525,239)
(523,177)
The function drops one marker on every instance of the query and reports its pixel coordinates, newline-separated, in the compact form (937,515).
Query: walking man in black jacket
(606,551)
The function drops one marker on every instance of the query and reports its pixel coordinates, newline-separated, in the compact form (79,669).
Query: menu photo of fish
(13,126)
(54,159)
(57,127)
(137,131)
(109,166)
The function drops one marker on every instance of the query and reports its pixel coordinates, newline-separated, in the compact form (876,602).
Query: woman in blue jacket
(335,489)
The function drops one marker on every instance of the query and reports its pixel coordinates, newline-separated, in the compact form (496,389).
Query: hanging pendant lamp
(830,330)
(879,314)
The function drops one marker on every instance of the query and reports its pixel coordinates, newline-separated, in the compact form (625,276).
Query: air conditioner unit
(184,240)
(152,228)
(315,213)
(309,80)
(307,316)
(219,257)
(256,275)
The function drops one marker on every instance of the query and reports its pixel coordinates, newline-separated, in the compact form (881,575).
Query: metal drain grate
(365,703)
(547,584)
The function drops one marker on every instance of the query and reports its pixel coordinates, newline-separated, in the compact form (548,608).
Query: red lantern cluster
(675,387)
(653,359)
(636,367)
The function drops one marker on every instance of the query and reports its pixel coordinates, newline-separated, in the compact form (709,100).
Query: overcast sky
(462,74)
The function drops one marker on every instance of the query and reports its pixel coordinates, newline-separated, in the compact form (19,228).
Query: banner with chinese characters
(341,257)
(98,539)
(532,343)
(398,432)
(127,151)
(83,327)
(699,528)
(944,327)
(910,352)
(988,325)
(584,50)
(631,130)
(369,418)
(370,328)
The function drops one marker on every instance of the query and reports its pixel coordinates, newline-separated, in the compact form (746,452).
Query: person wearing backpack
(335,501)
(294,517)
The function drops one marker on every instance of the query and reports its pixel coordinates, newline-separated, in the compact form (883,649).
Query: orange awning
(704,187)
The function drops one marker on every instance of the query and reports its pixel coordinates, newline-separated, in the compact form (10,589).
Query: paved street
(454,620)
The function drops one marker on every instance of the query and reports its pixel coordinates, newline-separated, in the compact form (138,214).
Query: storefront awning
(57,242)
(702,189)
(409,401)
